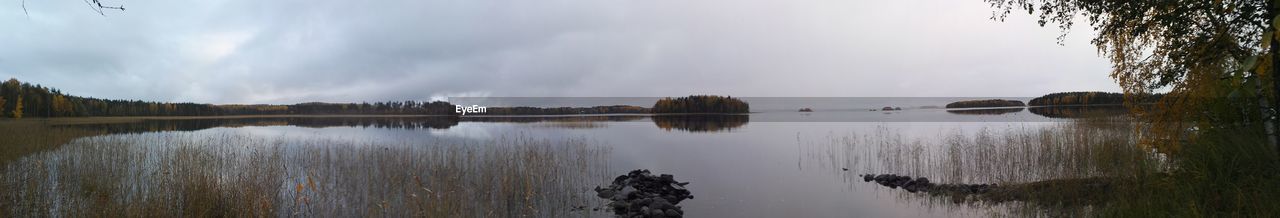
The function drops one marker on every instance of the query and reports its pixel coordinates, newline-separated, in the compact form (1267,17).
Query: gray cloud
(239,51)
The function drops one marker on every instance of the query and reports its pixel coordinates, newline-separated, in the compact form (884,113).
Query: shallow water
(770,164)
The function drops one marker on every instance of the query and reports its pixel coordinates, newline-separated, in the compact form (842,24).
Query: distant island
(700,104)
(986,103)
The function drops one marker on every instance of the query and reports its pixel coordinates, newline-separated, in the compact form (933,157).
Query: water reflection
(1080,111)
(693,123)
(554,118)
(156,125)
(221,173)
(700,123)
(419,166)
(993,111)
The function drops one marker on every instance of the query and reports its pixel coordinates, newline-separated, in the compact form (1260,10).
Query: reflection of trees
(700,123)
(693,123)
(1080,111)
(391,122)
(154,125)
(615,109)
(997,111)
(986,103)
(535,119)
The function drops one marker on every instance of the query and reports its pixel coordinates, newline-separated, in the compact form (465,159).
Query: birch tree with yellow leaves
(1216,59)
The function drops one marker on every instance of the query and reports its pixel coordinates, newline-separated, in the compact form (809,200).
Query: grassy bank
(1231,173)
(1095,167)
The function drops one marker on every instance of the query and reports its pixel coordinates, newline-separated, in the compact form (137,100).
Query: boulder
(641,194)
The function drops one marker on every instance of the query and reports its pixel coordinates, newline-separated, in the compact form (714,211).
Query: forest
(1078,98)
(20,99)
(701,104)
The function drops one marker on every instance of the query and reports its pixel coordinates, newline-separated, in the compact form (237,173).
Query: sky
(291,51)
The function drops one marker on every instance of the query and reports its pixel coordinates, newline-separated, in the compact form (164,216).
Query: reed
(171,174)
(1087,167)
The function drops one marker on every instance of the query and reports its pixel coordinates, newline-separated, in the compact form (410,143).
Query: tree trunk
(1273,50)
(1268,114)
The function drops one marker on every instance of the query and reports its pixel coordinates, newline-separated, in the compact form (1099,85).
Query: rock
(606,193)
(923,184)
(640,193)
(661,204)
(902,181)
(626,191)
(673,213)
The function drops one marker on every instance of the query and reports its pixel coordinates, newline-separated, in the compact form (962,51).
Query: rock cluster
(922,184)
(641,194)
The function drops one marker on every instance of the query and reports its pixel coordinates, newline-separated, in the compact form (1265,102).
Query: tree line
(19,99)
(1090,98)
(701,104)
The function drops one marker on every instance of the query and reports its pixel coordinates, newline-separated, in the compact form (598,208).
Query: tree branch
(97,6)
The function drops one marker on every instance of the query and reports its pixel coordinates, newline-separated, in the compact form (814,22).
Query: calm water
(769,164)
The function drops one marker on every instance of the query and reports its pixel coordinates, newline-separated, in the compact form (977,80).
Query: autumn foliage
(701,104)
(1079,98)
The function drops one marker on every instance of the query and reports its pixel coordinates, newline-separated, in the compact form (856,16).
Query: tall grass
(1087,167)
(1017,154)
(1044,165)
(1224,173)
(187,174)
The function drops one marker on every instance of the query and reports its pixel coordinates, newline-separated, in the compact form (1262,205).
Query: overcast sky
(286,51)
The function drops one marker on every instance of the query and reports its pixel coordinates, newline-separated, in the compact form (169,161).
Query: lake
(766,164)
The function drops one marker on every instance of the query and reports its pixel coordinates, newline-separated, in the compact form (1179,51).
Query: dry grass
(1102,147)
(186,174)
(1055,168)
